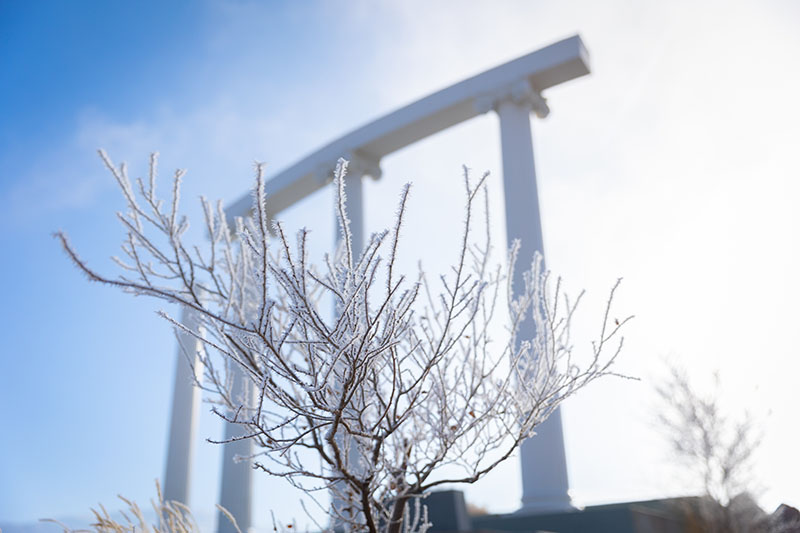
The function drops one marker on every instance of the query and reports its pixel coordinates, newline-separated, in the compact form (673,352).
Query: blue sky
(671,165)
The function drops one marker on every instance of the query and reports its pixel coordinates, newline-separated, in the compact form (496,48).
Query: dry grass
(171,517)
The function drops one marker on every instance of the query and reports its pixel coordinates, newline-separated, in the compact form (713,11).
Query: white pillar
(545,486)
(183,421)
(357,168)
(237,477)
(354,204)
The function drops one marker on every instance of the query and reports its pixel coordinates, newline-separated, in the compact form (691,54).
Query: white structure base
(545,485)
(183,420)
(236,491)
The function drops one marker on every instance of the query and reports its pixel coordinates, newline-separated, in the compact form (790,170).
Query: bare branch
(391,389)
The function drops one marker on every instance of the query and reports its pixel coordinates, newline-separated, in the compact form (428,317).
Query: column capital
(363,164)
(520,92)
(358,164)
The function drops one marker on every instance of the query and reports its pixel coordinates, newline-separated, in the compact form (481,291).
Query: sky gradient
(673,166)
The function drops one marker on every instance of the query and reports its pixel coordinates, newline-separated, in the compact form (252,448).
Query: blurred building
(447,510)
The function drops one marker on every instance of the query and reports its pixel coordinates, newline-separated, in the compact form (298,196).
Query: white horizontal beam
(554,64)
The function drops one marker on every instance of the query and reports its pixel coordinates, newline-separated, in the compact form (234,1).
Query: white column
(357,168)
(354,204)
(545,486)
(237,477)
(183,421)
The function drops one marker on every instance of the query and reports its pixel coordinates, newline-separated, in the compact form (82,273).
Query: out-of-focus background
(673,165)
